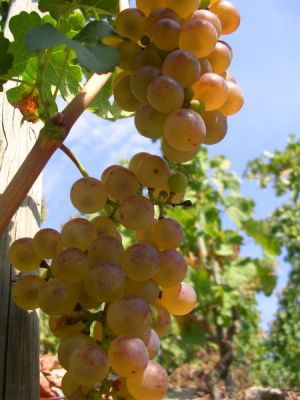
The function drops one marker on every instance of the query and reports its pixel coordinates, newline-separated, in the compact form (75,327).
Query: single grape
(153,171)
(184,130)
(108,170)
(105,226)
(123,95)
(121,183)
(208,16)
(165,95)
(228,14)
(78,232)
(70,266)
(147,290)
(129,315)
(128,50)
(212,90)
(162,322)
(147,57)
(147,6)
(167,234)
(68,385)
(140,80)
(205,66)
(172,270)
(67,325)
(183,8)
(128,356)
(160,13)
(182,66)
(83,297)
(234,101)
(198,36)
(178,182)
(69,345)
(105,281)
(140,262)
(88,195)
(88,365)
(177,156)
(151,385)
(22,255)
(152,342)
(220,58)
(149,122)
(216,126)
(180,299)
(165,34)
(25,292)
(105,249)
(131,23)
(136,212)
(56,297)
(135,160)
(47,243)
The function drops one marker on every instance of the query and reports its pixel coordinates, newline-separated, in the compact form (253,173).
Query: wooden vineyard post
(19,330)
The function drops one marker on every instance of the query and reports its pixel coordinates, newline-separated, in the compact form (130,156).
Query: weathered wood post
(19,330)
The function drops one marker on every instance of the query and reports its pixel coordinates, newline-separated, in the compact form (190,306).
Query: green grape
(149,122)
(228,14)
(147,290)
(70,266)
(69,345)
(56,298)
(165,95)
(172,270)
(140,80)
(121,183)
(165,34)
(177,156)
(88,365)
(216,126)
(140,262)
(160,13)
(167,234)
(136,212)
(98,331)
(178,182)
(198,36)
(183,8)
(105,226)
(67,325)
(128,51)
(128,356)
(123,95)
(180,299)
(152,343)
(108,170)
(22,255)
(105,249)
(147,57)
(135,160)
(220,58)
(68,385)
(78,232)
(212,90)
(129,315)
(47,243)
(182,66)
(184,130)
(147,6)
(162,322)
(151,385)
(88,195)
(234,101)
(105,281)
(208,16)
(83,297)
(153,171)
(131,23)
(25,292)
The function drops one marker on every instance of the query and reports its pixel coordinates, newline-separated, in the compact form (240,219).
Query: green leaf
(239,273)
(94,31)
(100,58)
(64,7)
(6,59)
(259,230)
(225,250)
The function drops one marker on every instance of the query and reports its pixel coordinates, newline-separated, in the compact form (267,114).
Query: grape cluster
(173,72)
(110,305)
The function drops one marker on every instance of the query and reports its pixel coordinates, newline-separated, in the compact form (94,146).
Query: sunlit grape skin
(21,255)
(136,212)
(47,243)
(25,292)
(105,249)
(177,156)
(167,234)
(71,265)
(153,171)
(131,23)
(165,95)
(172,270)
(69,345)
(209,16)
(158,14)
(121,183)
(228,15)
(180,299)
(212,90)
(165,34)
(88,195)
(234,101)
(78,232)
(216,127)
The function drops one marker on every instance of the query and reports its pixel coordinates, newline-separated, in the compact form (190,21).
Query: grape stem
(74,159)
(44,148)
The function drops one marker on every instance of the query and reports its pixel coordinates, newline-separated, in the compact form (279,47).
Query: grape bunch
(173,72)
(109,305)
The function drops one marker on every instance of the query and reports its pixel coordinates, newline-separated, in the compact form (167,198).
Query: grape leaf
(94,31)
(98,58)
(6,59)
(259,230)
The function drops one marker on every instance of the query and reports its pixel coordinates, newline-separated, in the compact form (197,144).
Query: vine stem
(44,148)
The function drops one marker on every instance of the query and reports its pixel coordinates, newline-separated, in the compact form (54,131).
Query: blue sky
(266,64)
